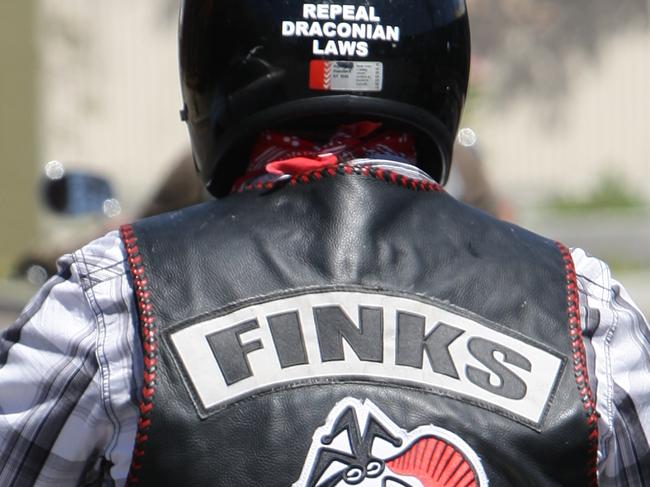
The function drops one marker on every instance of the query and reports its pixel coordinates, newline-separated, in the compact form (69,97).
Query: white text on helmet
(343,22)
(344,30)
(352,13)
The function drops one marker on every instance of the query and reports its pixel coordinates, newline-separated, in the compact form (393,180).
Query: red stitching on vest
(149,345)
(580,363)
(343,169)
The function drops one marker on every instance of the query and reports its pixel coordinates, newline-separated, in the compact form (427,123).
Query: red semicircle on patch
(435,463)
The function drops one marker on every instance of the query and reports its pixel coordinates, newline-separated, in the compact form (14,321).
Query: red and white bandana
(277,154)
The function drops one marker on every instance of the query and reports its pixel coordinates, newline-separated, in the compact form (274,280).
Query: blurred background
(558,120)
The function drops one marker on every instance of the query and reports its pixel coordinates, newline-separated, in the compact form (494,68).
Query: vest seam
(579,357)
(149,337)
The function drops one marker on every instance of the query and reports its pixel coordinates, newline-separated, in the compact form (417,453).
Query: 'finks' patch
(351,336)
(360,445)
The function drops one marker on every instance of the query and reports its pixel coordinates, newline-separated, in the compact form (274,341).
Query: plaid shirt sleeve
(617,338)
(71,366)
(68,378)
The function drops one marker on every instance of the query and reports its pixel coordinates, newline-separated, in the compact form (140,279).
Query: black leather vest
(355,327)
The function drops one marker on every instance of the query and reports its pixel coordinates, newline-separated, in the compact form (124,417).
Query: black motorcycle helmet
(251,65)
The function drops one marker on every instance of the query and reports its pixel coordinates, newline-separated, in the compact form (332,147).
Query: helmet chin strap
(276,154)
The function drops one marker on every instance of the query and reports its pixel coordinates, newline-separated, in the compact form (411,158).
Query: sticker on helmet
(340,30)
(346,76)
(360,445)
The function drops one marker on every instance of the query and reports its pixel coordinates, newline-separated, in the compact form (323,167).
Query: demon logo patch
(360,445)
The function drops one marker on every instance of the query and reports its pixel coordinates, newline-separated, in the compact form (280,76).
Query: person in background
(334,317)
